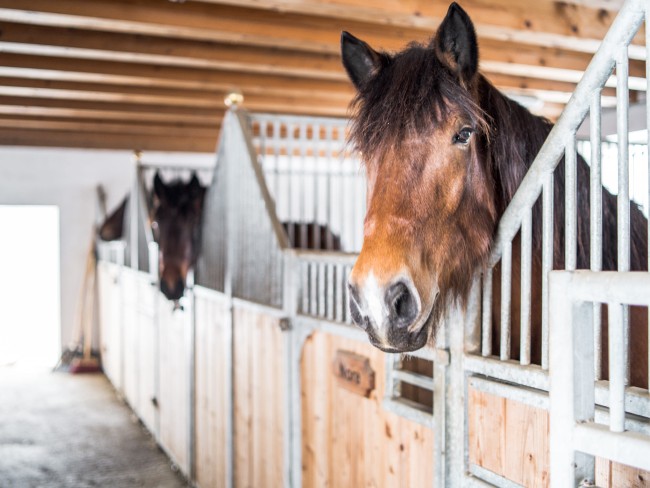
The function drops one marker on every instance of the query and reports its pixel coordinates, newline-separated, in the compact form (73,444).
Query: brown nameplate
(354,373)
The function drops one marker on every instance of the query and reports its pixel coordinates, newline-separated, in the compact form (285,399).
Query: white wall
(68,178)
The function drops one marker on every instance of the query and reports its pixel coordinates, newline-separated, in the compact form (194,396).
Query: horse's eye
(463,136)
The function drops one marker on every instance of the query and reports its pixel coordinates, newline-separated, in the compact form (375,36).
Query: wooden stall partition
(509,438)
(259,356)
(147,352)
(131,337)
(173,401)
(212,396)
(110,318)
(614,475)
(350,439)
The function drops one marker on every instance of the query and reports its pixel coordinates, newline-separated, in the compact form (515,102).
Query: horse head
(176,222)
(431,211)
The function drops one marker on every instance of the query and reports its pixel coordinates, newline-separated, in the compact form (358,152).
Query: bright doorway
(30,317)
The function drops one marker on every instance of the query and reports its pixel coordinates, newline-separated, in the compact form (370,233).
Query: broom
(80,357)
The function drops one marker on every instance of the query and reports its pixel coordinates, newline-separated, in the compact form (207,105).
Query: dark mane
(412,93)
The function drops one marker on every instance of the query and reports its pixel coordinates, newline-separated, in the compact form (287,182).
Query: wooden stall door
(211,394)
(350,440)
(173,402)
(131,337)
(146,360)
(110,310)
(259,357)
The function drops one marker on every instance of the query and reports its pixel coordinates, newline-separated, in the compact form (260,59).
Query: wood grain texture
(349,440)
(211,393)
(259,399)
(614,475)
(110,308)
(174,375)
(509,438)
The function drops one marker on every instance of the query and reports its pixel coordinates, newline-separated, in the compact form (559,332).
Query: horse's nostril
(402,305)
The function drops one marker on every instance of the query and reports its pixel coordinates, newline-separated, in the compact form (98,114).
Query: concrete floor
(70,431)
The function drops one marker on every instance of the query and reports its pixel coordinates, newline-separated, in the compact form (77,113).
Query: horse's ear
(360,60)
(159,188)
(194,185)
(455,43)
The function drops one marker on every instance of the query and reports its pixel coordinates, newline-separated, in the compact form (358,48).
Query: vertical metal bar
(289,172)
(506,285)
(647,113)
(328,204)
(547,260)
(617,362)
(623,200)
(570,215)
(331,285)
(313,288)
(623,166)
(571,380)
(486,325)
(596,217)
(342,190)
(276,162)
(340,282)
(322,291)
(526,280)
(315,174)
(302,204)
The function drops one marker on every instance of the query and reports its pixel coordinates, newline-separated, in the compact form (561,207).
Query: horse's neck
(516,137)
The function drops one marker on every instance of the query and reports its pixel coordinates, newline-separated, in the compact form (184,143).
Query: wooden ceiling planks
(156,64)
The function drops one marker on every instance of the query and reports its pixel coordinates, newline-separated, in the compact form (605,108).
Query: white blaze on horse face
(373,295)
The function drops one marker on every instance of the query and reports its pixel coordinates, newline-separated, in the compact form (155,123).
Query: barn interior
(100,94)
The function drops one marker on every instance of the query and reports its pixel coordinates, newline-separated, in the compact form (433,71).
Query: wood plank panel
(571,26)
(615,475)
(200,54)
(349,440)
(211,393)
(259,400)
(51,138)
(174,390)
(165,75)
(131,337)
(110,313)
(147,353)
(509,438)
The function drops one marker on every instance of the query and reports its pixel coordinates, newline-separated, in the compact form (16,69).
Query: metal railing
(518,217)
(316,182)
(577,435)
(559,234)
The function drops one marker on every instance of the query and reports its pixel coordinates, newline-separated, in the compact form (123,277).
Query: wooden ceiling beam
(201,54)
(176,52)
(25,122)
(100,140)
(160,75)
(216,81)
(297,24)
(129,104)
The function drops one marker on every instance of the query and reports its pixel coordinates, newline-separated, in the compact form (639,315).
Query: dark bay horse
(112,228)
(445,152)
(175,215)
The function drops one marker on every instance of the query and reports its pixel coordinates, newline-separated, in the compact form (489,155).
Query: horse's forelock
(412,95)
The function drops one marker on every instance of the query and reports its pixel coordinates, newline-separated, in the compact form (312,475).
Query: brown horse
(445,152)
(176,217)
(112,228)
